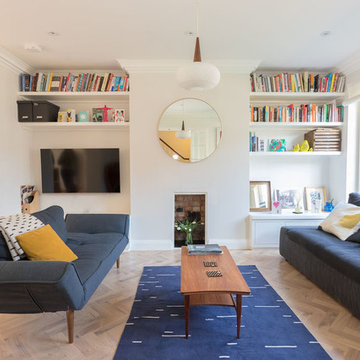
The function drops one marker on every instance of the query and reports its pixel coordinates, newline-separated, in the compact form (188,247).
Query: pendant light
(198,75)
(183,134)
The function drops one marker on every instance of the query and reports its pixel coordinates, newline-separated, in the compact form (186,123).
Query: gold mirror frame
(171,151)
(268,201)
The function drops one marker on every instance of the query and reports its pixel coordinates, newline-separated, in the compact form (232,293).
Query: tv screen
(80,170)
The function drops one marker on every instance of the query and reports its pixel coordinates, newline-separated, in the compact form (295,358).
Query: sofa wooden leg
(70,325)
(118,263)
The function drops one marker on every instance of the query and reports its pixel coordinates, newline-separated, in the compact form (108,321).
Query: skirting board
(138,245)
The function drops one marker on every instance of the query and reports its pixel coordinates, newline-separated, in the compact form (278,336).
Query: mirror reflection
(189,130)
(260,196)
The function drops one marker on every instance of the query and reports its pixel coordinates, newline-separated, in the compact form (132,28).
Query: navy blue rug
(156,326)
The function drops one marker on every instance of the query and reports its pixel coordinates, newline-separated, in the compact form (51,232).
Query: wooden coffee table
(199,289)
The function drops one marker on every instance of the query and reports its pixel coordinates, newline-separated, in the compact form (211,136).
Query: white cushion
(342,221)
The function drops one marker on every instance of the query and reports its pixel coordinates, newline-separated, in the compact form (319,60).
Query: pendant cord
(197,18)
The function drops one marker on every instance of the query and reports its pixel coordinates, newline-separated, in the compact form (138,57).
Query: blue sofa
(332,264)
(49,286)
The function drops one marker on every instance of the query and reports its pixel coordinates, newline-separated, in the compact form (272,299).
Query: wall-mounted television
(80,170)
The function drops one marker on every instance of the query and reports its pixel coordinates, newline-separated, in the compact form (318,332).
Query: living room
(124,78)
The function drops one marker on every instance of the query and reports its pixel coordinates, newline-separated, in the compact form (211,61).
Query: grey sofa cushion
(354,198)
(97,254)
(54,216)
(341,255)
(4,250)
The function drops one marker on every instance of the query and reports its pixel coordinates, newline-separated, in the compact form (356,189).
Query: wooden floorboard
(99,325)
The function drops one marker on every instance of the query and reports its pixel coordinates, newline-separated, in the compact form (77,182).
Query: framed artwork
(119,115)
(289,199)
(260,196)
(313,195)
(277,145)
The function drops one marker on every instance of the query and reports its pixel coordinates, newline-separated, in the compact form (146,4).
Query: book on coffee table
(204,249)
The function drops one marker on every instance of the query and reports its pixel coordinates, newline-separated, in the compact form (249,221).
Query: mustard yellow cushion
(45,244)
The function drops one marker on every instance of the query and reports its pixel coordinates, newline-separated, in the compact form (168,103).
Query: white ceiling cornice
(13,63)
(169,66)
(351,65)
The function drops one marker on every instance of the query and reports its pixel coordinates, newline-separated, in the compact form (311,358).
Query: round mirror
(189,130)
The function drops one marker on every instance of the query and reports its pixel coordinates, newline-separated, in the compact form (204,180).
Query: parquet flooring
(99,325)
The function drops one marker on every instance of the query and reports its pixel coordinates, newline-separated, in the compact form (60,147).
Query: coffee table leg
(238,313)
(187,305)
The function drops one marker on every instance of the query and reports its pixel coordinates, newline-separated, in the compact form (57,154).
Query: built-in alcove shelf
(294,125)
(303,96)
(306,215)
(35,126)
(294,153)
(74,96)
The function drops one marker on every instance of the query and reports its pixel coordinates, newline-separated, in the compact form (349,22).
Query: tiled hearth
(191,206)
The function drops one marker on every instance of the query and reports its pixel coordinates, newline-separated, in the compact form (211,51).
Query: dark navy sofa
(332,264)
(48,286)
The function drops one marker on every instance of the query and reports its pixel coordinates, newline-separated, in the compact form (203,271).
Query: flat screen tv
(80,170)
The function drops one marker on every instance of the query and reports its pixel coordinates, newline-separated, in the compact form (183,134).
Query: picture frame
(119,115)
(313,193)
(289,198)
(260,196)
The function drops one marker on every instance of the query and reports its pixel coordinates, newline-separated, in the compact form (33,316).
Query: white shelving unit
(294,153)
(293,96)
(293,170)
(73,96)
(35,126)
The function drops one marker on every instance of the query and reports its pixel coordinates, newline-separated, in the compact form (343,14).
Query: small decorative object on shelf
(315,197)
(84,82)
(277,207)
(97,115)
(188,227)
(62,115)
(119,115)
(29,199)
(105,109)
(71,115)
(278,145)
(83,116)
(305,113)
(297,82)
(329,206)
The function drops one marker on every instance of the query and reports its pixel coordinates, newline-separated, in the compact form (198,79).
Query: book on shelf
(297,82)
(204,249)
(297,113)
(83,82)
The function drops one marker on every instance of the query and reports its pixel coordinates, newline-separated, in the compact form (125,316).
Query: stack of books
(298,82)
(324,139)
(298,113)
(204,249)
(84,82)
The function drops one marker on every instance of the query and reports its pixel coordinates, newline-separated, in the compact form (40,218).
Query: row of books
(256,143)
(297,82)
(84,82)
(299,113)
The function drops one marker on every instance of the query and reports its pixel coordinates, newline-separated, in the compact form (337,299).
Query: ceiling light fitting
(198,75)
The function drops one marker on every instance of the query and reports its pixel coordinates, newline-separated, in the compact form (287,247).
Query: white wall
(14,146)
(155,177)
(84,203)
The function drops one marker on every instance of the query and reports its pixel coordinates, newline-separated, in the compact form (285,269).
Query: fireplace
(192,207)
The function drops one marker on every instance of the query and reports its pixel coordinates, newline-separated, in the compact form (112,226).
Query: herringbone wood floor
(99,325)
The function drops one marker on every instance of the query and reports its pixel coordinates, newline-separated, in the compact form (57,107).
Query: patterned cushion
(14,225)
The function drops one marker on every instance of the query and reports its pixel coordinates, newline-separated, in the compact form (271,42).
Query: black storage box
(37,111)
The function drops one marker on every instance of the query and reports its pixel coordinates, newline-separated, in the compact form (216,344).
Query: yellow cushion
(349,221)
(45,244)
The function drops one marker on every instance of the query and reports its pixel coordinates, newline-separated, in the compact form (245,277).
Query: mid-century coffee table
(199,289)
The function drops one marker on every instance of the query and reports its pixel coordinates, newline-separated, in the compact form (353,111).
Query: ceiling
(92,34)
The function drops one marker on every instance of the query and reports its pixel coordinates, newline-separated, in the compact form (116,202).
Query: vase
(188,240)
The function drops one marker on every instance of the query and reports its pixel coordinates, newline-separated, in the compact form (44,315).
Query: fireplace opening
(191,207)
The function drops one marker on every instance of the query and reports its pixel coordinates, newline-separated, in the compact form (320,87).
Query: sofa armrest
(39,286)
(98,223)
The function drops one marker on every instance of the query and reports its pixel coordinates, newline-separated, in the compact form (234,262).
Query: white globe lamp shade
(183,134)
(198,76)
